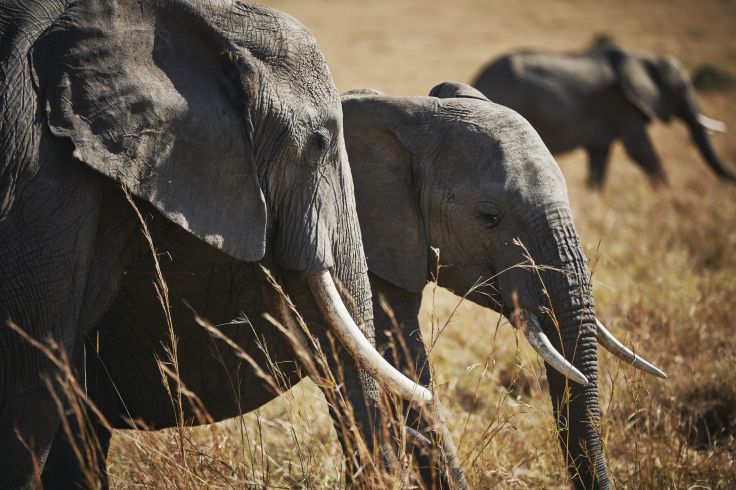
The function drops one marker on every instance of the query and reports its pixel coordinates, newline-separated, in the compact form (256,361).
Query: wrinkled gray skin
(468,176)
(591,99)
(223,121)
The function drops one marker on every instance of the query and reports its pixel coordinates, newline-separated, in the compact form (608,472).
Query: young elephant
(591,99)
(469,177)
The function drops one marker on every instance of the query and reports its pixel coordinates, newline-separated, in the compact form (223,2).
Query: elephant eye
(490,212)
(319,140)
(317,147)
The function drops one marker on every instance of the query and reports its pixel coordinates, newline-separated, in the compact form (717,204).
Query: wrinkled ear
(156,105)
(639,87)
(361,91)
(385,191)
(450,90)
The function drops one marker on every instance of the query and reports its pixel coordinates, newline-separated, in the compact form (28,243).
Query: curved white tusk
(612,344)
(540,343)
(712,124)
(350,336)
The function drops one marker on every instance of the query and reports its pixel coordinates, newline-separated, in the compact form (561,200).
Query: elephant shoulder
(510,66)
(533,65)
(497,79)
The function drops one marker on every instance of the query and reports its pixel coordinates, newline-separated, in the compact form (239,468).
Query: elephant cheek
(303,232)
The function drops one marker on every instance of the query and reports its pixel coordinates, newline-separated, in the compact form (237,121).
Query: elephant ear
(154,104)
(640,87)
(361,91)
(385,191)
(450,90)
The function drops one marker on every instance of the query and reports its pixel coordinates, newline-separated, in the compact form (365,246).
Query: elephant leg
(354,398)
(60,249)
(438,461)
(639,147)
(33,308)
(597,165)
(63,468)
(28,426)
(81,462)
(348,406)
(31,417)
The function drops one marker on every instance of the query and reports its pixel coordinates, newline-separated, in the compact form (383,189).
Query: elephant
(590,99)
(216,129)
(457,173)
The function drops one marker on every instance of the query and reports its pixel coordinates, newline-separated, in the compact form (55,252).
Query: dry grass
(664,261)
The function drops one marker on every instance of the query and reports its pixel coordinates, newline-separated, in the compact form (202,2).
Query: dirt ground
(664,266)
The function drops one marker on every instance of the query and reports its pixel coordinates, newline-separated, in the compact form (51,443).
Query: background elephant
(591,99)
(223,122)
(470,178)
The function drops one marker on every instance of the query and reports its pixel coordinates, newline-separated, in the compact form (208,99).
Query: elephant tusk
(540,343)
(350,336)
(712,124)
(417,437)
(614,346)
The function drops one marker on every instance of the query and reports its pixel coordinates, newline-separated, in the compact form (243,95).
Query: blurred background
(664,264)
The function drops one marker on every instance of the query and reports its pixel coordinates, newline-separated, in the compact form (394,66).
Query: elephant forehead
(523,172)
(516,158)
(496,136)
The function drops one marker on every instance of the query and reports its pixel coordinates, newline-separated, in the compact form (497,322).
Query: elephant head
(473,179)
(660,89)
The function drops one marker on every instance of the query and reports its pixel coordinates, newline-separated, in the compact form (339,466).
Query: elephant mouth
(352,339)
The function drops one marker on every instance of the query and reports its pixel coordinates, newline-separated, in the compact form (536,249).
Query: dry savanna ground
(664,266)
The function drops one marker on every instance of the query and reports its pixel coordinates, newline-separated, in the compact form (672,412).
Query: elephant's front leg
(598,164)
(640,148)
(351,394)
(61,249)
(63,468)
(399,338)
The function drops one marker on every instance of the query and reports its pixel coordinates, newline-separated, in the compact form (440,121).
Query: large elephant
(591,99)
(221,120)
(456,172)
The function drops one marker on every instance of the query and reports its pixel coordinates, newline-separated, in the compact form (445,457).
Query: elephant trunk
(571,329)
(700,137)
(699,126)
(576,408)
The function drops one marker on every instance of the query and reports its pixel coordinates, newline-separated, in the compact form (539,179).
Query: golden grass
(664,262)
